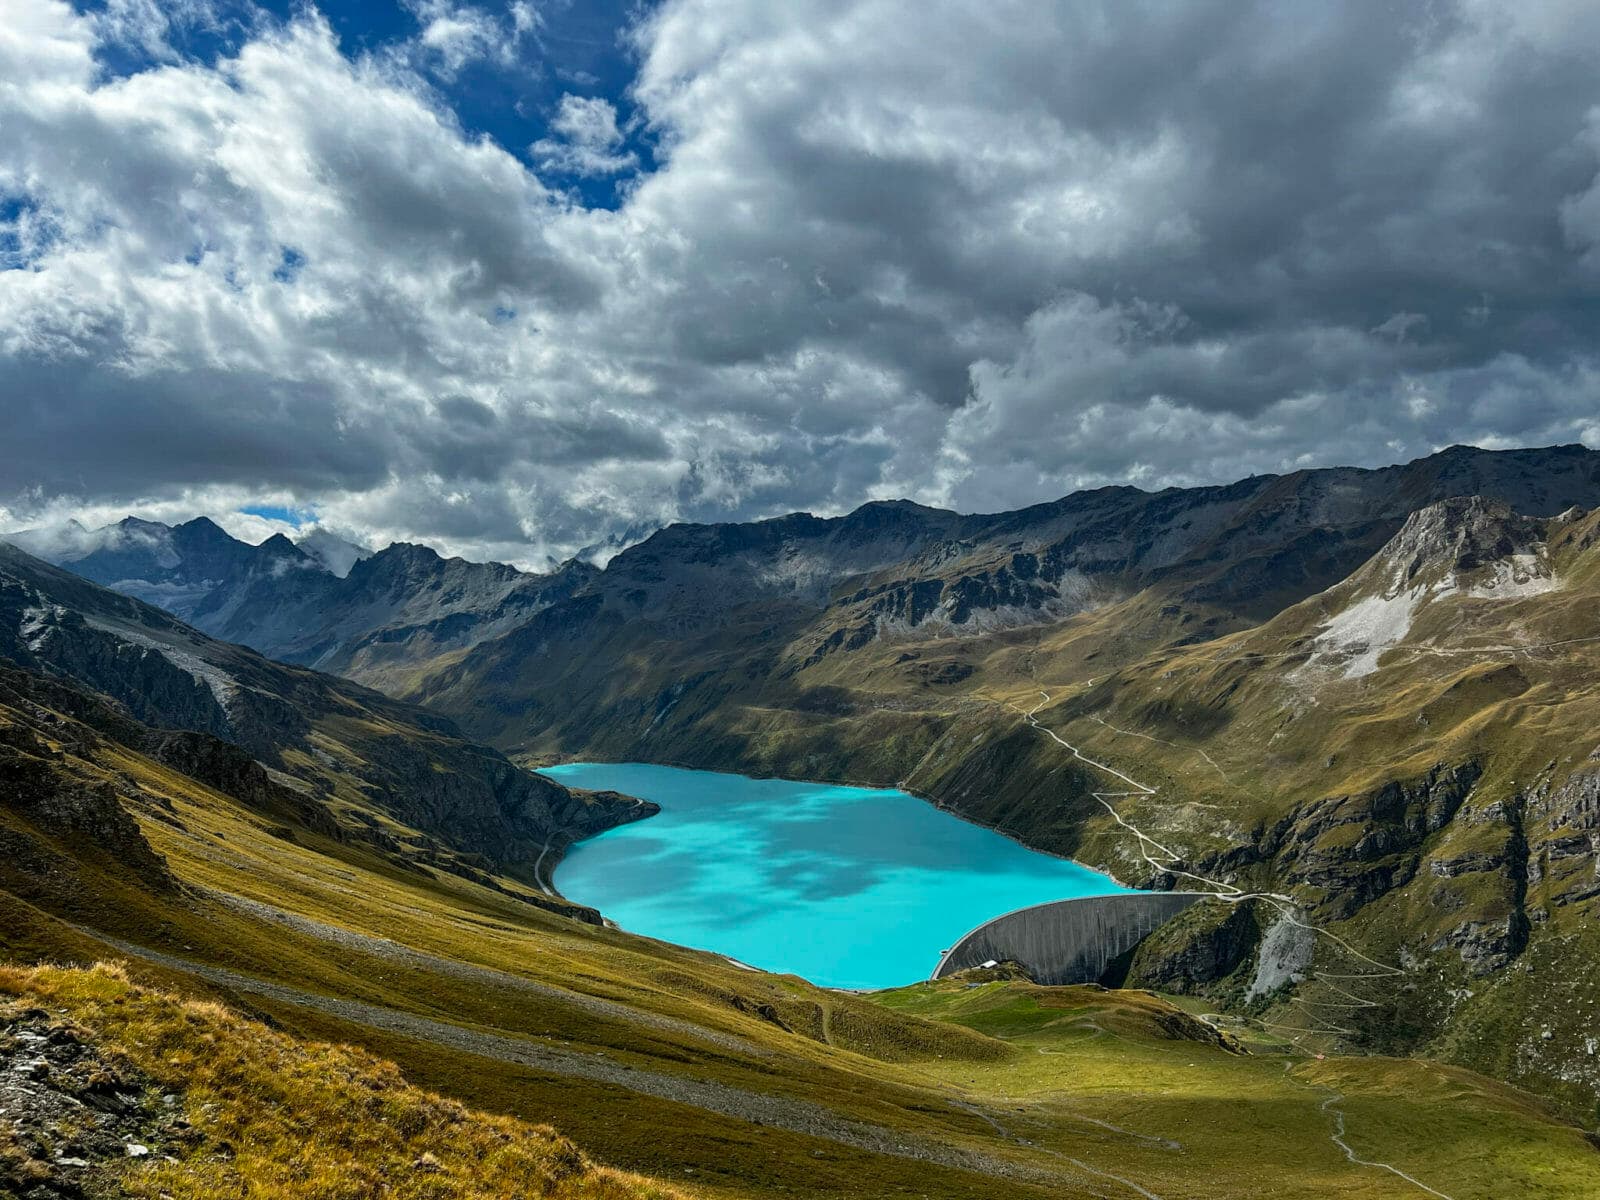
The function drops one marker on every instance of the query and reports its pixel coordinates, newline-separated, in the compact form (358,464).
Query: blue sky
(280,514)
(579,48)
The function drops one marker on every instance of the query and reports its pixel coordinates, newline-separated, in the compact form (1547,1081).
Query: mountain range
(1358,701)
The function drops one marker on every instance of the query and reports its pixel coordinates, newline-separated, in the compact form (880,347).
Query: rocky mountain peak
(1465,547)
(198,527)
(1460,538)
(403,553)
(281,547)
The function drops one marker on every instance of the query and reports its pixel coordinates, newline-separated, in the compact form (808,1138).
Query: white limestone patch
(34,627)
(1359,635)
(1513,578)
(38,623)
(223,687)
(1355,639)
(1285,955)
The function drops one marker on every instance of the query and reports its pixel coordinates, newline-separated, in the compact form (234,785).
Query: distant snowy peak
(332,552)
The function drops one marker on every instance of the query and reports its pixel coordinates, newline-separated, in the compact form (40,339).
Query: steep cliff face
(53,813)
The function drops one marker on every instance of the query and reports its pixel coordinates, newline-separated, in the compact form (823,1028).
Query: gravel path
(405,956)
(795,1116)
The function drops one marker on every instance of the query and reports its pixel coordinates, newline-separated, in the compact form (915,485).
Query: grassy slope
(1096,1056)
(272,1117)
(1236,733)
(948,1082)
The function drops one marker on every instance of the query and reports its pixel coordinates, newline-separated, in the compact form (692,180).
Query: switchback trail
(1227,893)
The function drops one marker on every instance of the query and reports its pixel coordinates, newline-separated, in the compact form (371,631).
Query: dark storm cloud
(191,417)
(975,254)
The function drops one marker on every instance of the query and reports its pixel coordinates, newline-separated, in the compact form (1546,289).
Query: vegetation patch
(230,1108)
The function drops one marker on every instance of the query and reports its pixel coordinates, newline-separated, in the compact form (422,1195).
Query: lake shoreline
(931,801)
(852,886)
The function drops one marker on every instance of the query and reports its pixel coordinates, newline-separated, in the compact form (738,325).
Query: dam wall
(1067,941)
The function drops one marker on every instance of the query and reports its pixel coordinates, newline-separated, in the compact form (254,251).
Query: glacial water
(846,886)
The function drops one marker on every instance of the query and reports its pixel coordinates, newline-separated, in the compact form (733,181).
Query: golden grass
(278,1119)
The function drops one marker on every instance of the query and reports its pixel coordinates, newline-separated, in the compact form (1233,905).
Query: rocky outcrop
(73,1114)
(1564,841)
(53,800)
(1196,949)
(1354,849)
(1458,536)
(232,771)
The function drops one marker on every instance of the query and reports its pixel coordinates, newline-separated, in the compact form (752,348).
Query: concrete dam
(1067,941)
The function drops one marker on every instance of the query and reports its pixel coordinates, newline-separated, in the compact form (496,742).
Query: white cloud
(587,140)
(453,35)
(978,257)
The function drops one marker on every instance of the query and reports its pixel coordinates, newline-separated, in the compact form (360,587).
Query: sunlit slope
(1197,1121)
(654,1059)
(233,1108)
(1410,756)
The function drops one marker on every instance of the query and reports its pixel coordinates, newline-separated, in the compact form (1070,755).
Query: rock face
(1459,536)
(173,567)
(1354,849)
(388,614)
(1201,947)
(82,814)
(74,1112)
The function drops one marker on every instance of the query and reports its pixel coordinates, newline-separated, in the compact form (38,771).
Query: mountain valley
(1355,707)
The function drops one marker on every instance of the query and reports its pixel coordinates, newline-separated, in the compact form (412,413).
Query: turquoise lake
(846,886)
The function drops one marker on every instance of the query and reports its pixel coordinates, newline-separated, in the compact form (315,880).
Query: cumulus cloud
(587,140)
(453,35)
(977,255)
